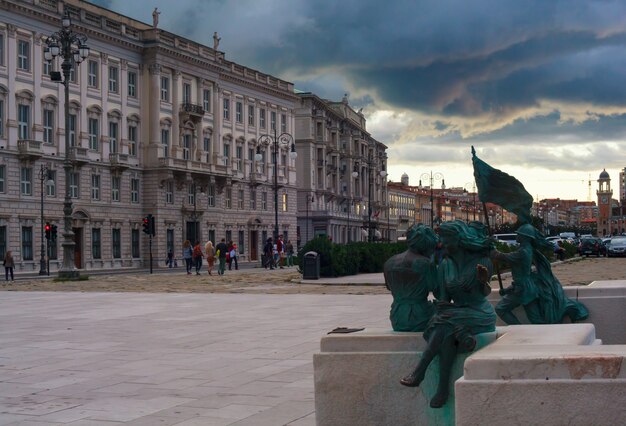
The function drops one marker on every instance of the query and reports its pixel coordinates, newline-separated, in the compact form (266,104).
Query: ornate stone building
(159,125)
(343,173)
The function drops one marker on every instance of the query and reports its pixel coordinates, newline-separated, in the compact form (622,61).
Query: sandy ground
(580,271)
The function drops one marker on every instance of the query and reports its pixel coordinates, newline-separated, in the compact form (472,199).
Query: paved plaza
(167,359)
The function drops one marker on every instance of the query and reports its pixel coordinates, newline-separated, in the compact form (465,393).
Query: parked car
(593,246)
(510,239)
(617,246)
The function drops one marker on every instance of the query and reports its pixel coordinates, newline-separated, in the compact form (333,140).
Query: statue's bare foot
(439,400)
(413,380)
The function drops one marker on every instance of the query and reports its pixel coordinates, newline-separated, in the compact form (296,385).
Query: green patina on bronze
(538,291)
(461,310)
(411,276)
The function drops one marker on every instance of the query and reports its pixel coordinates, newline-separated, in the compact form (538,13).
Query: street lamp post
(432,177)
(44,175)
(282,140)
(71,47)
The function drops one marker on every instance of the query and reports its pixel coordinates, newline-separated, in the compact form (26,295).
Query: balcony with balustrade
(29,150)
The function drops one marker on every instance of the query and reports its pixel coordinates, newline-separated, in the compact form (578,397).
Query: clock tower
(605,195)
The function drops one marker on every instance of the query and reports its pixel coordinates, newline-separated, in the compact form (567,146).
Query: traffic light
(48,229)
(53,232)
(152,225)
(146,224)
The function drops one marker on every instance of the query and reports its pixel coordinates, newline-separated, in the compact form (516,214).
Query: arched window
(24,100)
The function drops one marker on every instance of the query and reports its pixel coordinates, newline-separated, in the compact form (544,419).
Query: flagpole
(495,264)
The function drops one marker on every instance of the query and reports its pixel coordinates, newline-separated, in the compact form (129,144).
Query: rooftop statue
(539,292)
(155,17)
(462,310)
(411,276)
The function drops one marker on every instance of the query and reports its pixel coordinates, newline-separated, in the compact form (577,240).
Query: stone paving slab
(167,359)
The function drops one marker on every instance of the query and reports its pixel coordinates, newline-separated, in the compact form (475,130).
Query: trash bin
(311,266)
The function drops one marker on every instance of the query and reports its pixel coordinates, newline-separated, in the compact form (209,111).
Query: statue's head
(457,234)
(421,239)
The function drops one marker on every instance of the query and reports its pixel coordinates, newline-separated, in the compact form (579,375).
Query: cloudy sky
(537,86)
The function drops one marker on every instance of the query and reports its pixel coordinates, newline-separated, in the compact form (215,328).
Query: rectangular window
(273,120)
(186,93)
(169,192)
(51,185)
(2,62)
(53,249)
(132,140)
(264,200)
(47,67)
(94,132)
(212,236)
(206,100)
(191,194)
(226,154)
(210,195)
(239,112)
(113,137)
(229,236)
(27,243)
(240,200)
(169,241)
(186,146)
(115,188)
(26,181)
(250,115)
(48,126)
(132,84)
(96,243)
(92,73)
(252,199)
(113,79)
(3,241)
(283,123)
(251,154)
(72,130)
(229,198)
(226,108)
(285,205)
(3,178)
(95,187)
(165,89)
(23,121)
(165,141)
(74,185)
(207,144)
(134,236)
(116,243)
(134,190)
(23,55)
(239,158)
(1,117)
(241,241)
(262,118)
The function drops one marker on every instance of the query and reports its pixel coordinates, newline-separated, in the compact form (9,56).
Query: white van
(567,235)
(510,239)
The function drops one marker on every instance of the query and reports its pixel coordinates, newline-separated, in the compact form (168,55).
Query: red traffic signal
(47,228)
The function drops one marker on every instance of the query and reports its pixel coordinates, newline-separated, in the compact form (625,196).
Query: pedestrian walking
(268,252)
(222,250)
(187,255)
(9,264)
(280,247)
(232,256)
(170,259)
(290,252)
(197,257)
(209,252)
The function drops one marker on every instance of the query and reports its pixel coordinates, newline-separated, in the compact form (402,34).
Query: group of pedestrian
(278,253)
(223,252)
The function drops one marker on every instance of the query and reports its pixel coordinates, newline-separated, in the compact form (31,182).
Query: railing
(27,146)
(192,108)
(117,159)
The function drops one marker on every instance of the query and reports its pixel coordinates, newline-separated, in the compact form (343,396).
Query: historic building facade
(158,125)
(343,173)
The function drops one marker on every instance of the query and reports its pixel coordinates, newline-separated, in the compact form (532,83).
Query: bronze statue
(411,276)
(540,292)
(462,310)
